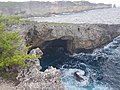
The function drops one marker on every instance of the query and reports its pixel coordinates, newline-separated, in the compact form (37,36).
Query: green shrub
(10,47)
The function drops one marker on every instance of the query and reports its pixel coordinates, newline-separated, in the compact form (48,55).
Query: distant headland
(36,8)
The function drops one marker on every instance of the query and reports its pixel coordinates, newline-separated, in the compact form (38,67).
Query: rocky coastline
(31,78)
(76,37)
(72,38)
(49,38)
(37,9)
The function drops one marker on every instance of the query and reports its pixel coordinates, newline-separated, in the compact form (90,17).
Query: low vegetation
(11,20)
(11,53)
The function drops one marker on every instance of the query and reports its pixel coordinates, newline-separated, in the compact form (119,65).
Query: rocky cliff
(35,8)
(31,78)
(72,38)
(52,37)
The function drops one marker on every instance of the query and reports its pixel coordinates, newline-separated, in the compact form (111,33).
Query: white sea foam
(72,84)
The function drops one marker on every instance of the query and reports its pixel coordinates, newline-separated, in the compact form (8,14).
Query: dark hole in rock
(54,51)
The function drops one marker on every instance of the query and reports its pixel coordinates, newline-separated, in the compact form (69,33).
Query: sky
(117,2)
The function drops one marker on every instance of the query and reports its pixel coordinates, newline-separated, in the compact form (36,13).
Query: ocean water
(101,67)
(104,16)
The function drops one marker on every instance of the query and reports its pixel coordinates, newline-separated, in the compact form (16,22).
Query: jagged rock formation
(114,6)
(35,8)
(31,78)
(36,80)
(52,36)
(69,37)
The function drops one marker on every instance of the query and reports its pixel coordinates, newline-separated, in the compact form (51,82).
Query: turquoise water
(102,67)
(72,84)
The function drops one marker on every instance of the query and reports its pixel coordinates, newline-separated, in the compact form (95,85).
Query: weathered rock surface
(55,36)
(36,80)
(35,8)
(4,85)
(51,36)
(31,78)
(69,37)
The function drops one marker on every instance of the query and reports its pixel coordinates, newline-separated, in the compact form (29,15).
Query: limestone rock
(70,37)
(36,8)
(36,62)
(36,51)
(36,80)
(31,78)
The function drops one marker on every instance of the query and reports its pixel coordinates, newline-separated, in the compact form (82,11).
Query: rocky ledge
(52,37)
(72,38)
(31,78)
